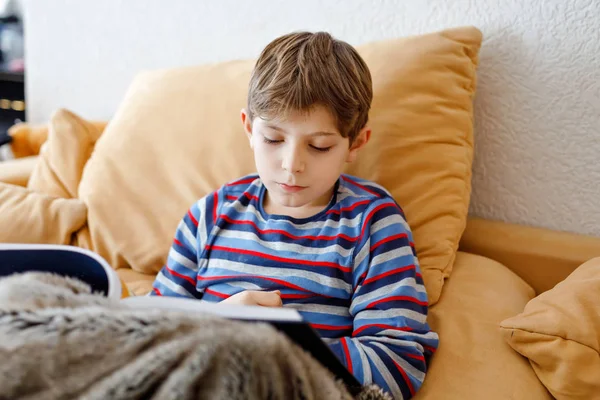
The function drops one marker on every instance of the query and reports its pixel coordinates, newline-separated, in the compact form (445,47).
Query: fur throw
(58,340)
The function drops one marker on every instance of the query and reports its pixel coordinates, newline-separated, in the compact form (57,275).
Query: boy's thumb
(270,299)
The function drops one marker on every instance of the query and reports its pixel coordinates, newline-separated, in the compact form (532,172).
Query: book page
(223,310)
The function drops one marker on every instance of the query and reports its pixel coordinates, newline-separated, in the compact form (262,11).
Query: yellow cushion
(177,136)
(62,158)
(17,171)
(559,332)
(27,139)
(473,361)
(421,148)
(30,217)
(137,284)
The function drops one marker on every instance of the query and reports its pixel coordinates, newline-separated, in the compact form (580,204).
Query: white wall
(538,104)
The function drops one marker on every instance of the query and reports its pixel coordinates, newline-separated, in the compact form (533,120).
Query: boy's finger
(269,299)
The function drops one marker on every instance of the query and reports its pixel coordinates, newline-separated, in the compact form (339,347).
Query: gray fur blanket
(60,341)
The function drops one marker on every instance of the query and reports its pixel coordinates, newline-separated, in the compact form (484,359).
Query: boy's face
(300,158)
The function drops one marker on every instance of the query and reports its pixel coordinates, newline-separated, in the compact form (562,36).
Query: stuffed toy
(25,139)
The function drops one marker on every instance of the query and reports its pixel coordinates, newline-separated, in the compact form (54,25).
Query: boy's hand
(256,298)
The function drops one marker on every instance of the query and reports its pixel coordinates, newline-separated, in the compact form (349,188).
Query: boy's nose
(293,162)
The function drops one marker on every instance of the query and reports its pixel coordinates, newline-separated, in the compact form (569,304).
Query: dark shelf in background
(9,76)
(12,98)
(12,83)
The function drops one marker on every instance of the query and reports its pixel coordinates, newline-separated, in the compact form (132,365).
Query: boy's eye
(276,141)
(271,141)
(322,149)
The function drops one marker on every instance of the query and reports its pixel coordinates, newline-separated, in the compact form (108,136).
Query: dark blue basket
(61,260)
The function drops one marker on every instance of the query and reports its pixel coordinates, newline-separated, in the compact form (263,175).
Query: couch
(120,188)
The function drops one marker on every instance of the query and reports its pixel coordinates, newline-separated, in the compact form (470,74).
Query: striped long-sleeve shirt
(351,271)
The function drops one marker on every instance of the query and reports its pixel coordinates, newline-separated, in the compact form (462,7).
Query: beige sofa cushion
(69,145)
(30,217)
(177,136)
(138,284)
(18,170)
(473,361)
(559,332)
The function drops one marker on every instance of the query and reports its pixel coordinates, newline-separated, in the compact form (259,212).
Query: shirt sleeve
(178,277)
(391,340)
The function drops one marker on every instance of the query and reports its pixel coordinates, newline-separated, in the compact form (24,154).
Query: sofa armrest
(541,257)
(17,171)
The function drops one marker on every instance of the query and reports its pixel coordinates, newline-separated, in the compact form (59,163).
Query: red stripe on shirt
(215,207)
(347,354)
(296,296)
(177,242)
(221,295)
(280,259)
(285,233)
(251,197)
(230,197)
(406,379)
(242,181)
(366,221)
(177,274)
(158,293)
(382,327)
(388,239)
(430,349)
(360,186)
(397,298)
(349,208)
(194,220)
(278,281)
(388,273)
(331,327)
(414,356)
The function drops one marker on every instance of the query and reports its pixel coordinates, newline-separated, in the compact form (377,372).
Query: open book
(92,269)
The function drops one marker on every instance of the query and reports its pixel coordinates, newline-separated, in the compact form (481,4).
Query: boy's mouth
(291,188)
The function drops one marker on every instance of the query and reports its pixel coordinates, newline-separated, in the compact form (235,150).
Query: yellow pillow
(559,332)
(473,362)
(30,217)
(177,136)
(63,156)
(18,170)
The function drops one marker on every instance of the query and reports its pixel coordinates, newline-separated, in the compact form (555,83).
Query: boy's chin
(288,201)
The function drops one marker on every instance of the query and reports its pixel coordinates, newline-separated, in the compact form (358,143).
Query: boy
(301,234)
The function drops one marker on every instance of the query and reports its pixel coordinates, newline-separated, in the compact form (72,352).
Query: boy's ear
(359,142)
(247,123)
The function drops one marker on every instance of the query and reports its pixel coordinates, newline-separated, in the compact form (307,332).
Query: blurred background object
(12,69)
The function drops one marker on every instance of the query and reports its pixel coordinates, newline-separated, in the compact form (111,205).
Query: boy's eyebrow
(318,133)
(274,127)
(322,133)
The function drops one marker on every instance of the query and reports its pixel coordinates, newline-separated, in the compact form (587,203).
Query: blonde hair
(298,71)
